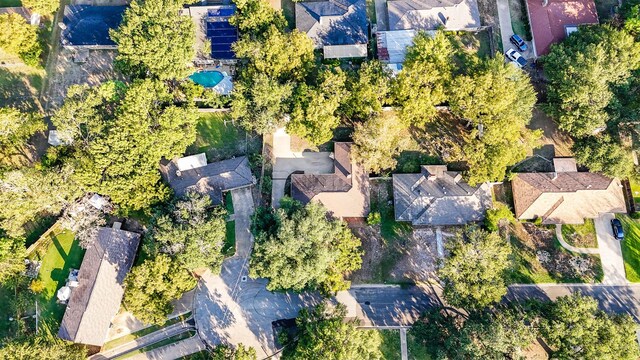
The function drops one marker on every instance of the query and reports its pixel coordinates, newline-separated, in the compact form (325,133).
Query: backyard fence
(44,240)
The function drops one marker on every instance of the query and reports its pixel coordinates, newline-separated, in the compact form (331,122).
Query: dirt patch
(539,258)
(551,135)
(418,258)
(97,69)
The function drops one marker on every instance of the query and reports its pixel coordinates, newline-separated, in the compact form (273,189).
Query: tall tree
(497,99)
(151,286)
(298,248)
(155,40)
(378,141)
(28,194)
(18,37)
(122,138)
(323,333)
(473,273)
(254,17)
(260,103)
(84,220)
(581,71)
(42,7)
(314,115)
(12,255)
(44,346)
(602,154)
(240,352)
(367,91)
(422,83)
(574,328)
(16,128)
(193,233)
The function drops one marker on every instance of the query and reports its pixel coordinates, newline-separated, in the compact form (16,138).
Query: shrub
(495,215)
(374,218)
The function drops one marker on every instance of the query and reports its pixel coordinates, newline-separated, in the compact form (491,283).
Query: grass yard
(229,246)
(478,43)
(390,344)
(10,3)
(159,344)
(20,87)
(228,202)
(218,137)
(583,235)
(635,189)
(61,255)
(146,331)
(519,19)
(631,247)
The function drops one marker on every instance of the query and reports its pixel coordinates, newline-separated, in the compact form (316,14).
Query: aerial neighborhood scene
(319,179)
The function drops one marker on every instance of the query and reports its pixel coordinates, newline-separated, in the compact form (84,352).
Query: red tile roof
(548,22)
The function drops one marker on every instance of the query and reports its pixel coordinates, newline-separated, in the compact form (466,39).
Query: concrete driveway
(610,252)
(286,162)
(242,210)
(506,30)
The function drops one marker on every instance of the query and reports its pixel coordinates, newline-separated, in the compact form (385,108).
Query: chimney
(117,225)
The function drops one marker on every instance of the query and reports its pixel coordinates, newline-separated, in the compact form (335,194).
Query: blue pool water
(207,78)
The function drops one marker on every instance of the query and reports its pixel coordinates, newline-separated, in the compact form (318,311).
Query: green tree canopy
(42,7)
(29,194)
(367,91)
(240,352)
(473,273)
(18,37)
(260,104)
(422,83)
(12,255)
(154,39)
(314,115)
(151,286)
(378,141)
(497,99)
(574,328)
(298,248)
(499,335)
(323,333)
(121,136)
(16,128)
(581,71)
(602,154)
(45,346)
(254,17)
(193,233)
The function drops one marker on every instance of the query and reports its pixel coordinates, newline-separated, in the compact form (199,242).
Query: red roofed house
(552,20)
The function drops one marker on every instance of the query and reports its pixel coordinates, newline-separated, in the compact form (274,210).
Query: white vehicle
(516,57)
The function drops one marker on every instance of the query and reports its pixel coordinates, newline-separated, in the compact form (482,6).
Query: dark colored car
(518,42)
(618,232)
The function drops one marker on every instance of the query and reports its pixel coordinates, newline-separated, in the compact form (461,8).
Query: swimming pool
(207,78)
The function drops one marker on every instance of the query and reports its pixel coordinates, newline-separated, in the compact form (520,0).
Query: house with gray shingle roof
(338,27)
(96,299)
(345,192)
(433,14)
(436,196)
(192,173)
(565,196)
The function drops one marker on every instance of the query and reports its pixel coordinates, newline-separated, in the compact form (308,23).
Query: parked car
(518,42)
(516,57)
(618,232)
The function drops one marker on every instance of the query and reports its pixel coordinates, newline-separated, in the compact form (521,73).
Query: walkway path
(571,247)
(146,340)
(173,351)
(403,344)
(610,252)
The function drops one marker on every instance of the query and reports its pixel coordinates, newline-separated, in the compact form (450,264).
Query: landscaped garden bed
(538,257)
(582,236)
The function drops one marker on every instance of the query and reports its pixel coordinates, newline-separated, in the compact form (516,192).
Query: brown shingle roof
(565,197)
(97,298)
(345,193)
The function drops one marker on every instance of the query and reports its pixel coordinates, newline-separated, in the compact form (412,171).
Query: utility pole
(37,317)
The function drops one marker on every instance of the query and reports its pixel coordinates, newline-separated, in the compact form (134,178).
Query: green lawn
(390,344)
(635,189)
(146,331)
(631,247)
(167,341)
(216,138)
(10,3)
(583,235)
(229,247)
(63,254)
(228,202)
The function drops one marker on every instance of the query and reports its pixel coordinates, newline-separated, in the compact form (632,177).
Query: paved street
(610,252)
